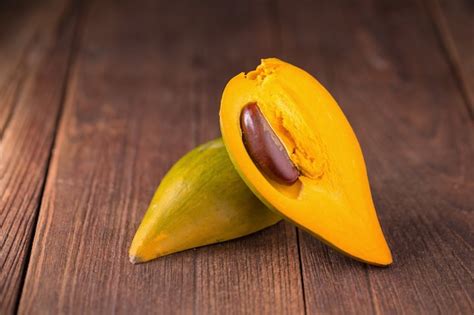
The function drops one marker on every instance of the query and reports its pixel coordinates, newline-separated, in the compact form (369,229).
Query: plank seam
(274,8)
(446,40)
(72,12)
(301,269)
(196,138)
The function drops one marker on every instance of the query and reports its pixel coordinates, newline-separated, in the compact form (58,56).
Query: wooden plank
(35,41)
(382,62)
(24,28)
(454,21)
(144,92)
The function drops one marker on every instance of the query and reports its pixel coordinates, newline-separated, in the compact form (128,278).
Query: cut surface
(331,199)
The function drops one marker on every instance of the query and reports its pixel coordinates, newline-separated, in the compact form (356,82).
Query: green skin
(201,200)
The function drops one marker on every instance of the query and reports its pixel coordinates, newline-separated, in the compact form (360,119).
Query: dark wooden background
(99,98)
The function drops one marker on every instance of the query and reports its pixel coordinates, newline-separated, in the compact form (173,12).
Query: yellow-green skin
(201,200)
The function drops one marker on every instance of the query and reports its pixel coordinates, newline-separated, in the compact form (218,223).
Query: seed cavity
(264,147)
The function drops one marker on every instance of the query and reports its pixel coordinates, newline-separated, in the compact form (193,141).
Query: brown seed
(264,147)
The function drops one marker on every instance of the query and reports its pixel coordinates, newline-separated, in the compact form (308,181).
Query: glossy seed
(264,147)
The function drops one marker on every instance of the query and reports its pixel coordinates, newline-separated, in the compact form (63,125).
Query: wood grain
(142,86)
(145,89)
(454,21)
(382,62)
(35,44)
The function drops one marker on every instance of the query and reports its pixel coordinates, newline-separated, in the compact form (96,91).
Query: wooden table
(98,99)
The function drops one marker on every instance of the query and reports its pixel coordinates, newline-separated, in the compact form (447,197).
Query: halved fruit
(331,198)
(201,200)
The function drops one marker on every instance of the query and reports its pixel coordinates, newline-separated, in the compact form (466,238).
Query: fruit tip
(135,260)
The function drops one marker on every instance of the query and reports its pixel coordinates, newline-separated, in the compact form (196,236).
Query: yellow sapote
(331,197)
(201,200)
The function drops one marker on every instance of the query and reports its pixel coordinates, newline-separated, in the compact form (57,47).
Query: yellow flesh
(332,198)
